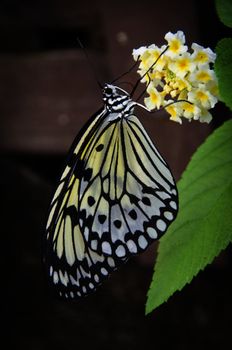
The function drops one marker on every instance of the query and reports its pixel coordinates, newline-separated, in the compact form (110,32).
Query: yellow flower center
(154,97)
(202,96)
(201,57)
(203,76)
(188,107)
(158,75)
(180,84)
(174,45)
(183,64)
(155,55)
(171,110)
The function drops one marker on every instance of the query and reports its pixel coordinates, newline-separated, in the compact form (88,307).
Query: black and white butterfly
(115,197)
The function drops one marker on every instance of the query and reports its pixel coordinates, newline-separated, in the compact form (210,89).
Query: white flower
(136,53)
(155,98)
(202,97)
(175,110)
(190,111)
(201,55)
(205,116)
(175,44)
(155,56)
(182,65)
(202,75)
(181,84)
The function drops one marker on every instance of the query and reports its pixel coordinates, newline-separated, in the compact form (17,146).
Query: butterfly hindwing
(132,198)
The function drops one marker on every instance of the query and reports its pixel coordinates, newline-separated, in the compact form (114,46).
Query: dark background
(47,92)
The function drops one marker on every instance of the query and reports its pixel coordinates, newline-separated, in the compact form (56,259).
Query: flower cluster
(180,81)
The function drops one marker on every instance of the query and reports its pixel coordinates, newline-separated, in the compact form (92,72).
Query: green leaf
(224,10)
(204,224)
(223,68)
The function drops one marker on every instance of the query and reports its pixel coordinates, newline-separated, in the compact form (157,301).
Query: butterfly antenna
(145,89)
(127,72)
(125,83)
(147,72)
(90,62)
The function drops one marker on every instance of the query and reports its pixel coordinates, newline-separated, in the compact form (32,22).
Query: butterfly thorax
(117,100)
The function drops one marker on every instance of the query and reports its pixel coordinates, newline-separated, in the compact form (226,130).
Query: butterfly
(115,197)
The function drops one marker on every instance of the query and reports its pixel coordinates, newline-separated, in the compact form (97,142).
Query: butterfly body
(115,196)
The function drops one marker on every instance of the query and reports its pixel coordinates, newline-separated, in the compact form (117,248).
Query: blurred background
(47,92)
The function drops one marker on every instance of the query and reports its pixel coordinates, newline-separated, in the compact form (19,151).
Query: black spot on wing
(146,201)
(87,174)
(133,214)
(100,147)
(101,218)
(117,223)
(148,190)
(91,201)
(82,214)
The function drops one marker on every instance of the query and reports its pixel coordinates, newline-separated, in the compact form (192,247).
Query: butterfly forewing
(115,196)
(73,268)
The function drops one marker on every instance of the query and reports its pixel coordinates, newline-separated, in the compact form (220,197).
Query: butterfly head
(110,90)
(116,99)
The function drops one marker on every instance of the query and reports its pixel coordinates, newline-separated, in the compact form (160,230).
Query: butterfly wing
(115,196)
(130,197)
(73,268)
